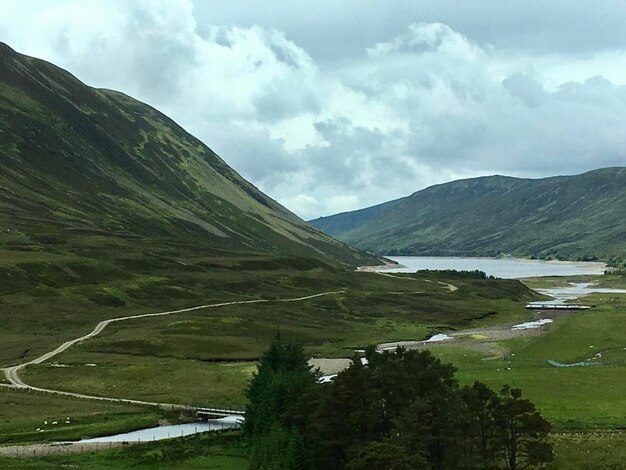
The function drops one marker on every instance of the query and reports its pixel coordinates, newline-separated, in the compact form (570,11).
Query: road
(450,287)
(12,373)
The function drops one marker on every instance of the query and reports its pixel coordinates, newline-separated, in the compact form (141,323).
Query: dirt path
(484,340)
(12,373)
(450,287)
(476,339)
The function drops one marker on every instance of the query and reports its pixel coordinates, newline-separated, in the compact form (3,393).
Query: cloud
(424,104)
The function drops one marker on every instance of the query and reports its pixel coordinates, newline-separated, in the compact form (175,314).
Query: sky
(334,105)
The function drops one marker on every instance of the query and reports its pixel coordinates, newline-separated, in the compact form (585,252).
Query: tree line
(397,410)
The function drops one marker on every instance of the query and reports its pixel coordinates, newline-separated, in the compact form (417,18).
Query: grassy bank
(217,451)
(22,413)
(570,397)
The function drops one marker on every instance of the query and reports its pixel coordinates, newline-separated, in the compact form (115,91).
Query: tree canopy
(402,409)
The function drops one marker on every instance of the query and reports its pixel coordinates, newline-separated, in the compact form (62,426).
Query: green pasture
(206,357)
(23,412)
(570,397)
(215,451)
(162,380)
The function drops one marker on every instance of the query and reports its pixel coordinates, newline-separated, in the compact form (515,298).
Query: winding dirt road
(12,373)
(450,287)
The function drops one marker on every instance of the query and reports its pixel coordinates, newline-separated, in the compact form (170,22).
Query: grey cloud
(528,89)
(332,30)
(312,118)
(254,154)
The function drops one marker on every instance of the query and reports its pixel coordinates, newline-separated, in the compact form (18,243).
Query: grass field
(205,357)
(23,412)
(215,451)
(570,397)
(47,302)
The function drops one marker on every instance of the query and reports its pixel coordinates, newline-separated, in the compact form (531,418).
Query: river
(170,431)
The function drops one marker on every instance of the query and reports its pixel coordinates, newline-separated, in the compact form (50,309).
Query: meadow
(206,357)
(28,416)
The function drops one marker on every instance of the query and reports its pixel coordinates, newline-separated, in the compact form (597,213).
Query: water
(438,337)
(506,268)
(171,431)
(573,292)
(529,325)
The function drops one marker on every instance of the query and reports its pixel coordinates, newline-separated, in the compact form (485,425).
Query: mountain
(79,164)
(564,217)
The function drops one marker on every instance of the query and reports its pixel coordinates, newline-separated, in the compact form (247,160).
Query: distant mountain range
(79,164)
(580,217)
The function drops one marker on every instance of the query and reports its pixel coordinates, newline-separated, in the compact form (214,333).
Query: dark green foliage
(404,409)
(483,430)
(385,455)
(567,217)
(455,274)
(522,431)
(272,418)
(279,449)
(282,377)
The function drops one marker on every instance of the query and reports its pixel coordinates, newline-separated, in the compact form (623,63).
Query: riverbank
(32,451)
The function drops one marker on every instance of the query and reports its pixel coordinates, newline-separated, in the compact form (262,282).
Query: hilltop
(565,217)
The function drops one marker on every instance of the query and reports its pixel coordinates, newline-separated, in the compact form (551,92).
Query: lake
(506,268)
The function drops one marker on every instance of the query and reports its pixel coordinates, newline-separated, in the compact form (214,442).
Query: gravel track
(12,373)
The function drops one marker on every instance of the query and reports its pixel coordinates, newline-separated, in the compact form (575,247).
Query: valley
(144,358)
(142,278)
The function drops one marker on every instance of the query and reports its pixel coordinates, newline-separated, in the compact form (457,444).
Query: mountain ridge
(81,160)
(561,217)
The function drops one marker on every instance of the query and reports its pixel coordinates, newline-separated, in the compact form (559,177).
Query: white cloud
(422,106)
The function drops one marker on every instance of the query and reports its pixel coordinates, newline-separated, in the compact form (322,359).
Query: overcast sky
(335,105)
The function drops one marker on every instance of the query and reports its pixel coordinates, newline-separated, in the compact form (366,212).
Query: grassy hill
(565,217)
(82,168)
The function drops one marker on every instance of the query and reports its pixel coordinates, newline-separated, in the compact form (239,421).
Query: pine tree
(283,376)
(523,431)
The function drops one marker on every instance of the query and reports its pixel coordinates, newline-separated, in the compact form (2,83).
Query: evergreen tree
(482,447)
(402,410)
(522,430)
(283,376)
(386,455)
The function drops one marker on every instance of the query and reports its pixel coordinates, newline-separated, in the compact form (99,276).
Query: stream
(170,431)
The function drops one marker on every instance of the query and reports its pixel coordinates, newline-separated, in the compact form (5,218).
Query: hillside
(565,217)
(81,167)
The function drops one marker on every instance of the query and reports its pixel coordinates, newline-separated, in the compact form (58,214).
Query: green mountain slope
(78,163)
(566,217)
